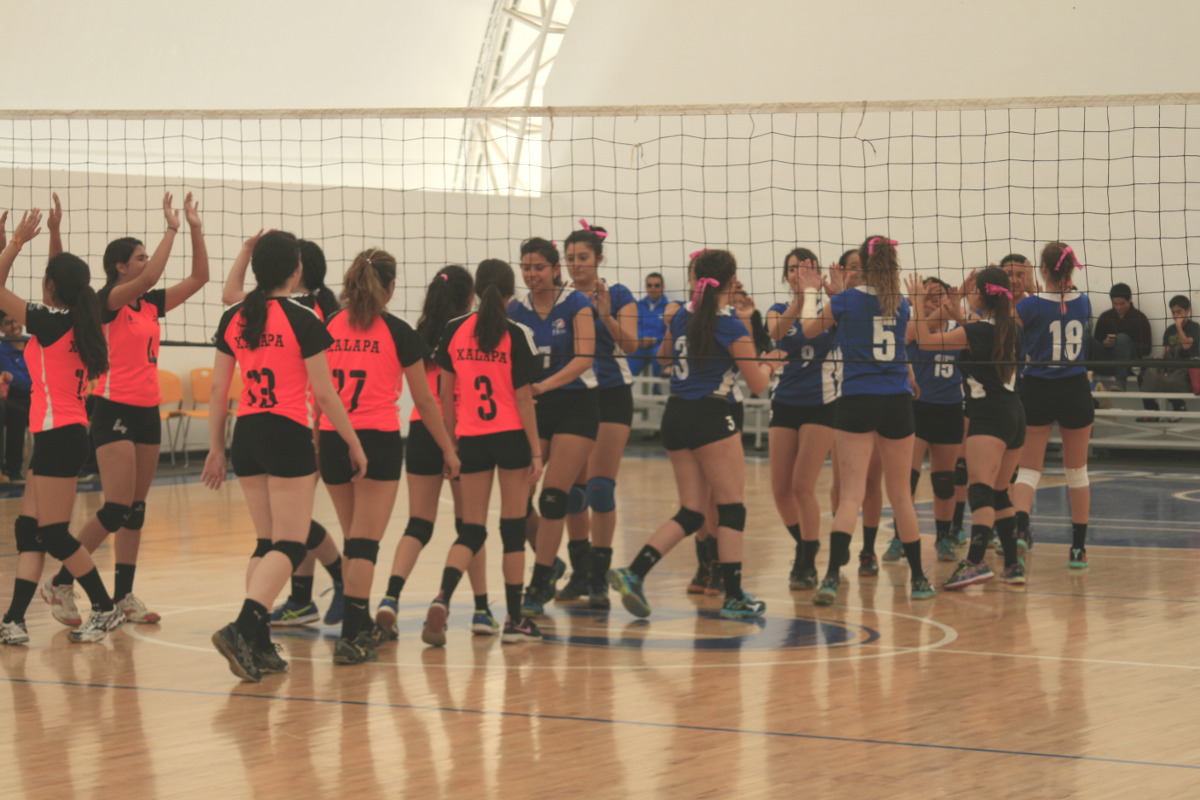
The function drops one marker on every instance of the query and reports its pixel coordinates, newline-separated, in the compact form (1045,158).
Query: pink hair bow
(445,277)
(586,227)
(697,254)
(871,244)
(992,288)
(701,284)
(1061,258)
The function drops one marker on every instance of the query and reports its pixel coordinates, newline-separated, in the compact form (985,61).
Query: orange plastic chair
(201,379)
(170,406)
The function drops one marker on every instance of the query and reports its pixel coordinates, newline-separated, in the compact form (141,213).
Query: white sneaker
(13,633)
(135,611)
(62,603)
(98,626)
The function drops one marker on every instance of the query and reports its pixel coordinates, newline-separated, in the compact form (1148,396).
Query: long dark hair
(589,236)
(365,291)
(448,296)
(546,249)
(881,270)
(1059,266)
(1004,347)
(72,287)
(313,260)
(275,258)
(494,281)
(119,251)
(720,266)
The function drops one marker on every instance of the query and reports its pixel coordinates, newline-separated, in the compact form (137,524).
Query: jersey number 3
(265,379)
(487,407)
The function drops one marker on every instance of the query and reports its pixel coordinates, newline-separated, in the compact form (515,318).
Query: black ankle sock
(808,553)
(123,580)
(1006,529)
(957,523)
(335,570)
(912,551)
(1022,522)
(942,526)
(979,541)
(450,579)
(481,602)
(355,617)
(1078,535)
(839,551)
(512,601)
(252,620)
(302,588)
(601,561)
(577,553)
(731,571)
(869,534)
(63,578)
(23,592)
(794,532)
(645,560)
(395,586)
(93,584)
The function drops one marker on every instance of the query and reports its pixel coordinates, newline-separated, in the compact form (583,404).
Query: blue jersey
(872,345)
(809,379)
(715,374)
(1056,329)
(612,368)
(937,373)
(554,336)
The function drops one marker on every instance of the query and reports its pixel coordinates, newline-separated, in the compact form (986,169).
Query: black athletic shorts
(384,451)
(506,450)
(692,424)
(118,422)
(422,456)
(60,452)
(573,411)
(938,423)
(1067,401)
(889,415)
(795,417)
(616,405)
(1001,416)
(268,444)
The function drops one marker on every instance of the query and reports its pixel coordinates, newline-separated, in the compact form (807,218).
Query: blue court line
(634,723)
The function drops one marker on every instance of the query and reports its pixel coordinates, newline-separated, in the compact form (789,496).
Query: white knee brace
(1077,478)
(1028,477)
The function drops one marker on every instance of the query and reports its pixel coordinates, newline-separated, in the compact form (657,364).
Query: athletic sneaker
(360,650)
(289,613)
(1078,558)
(333,616)
(523,630)
(135,611)
(269,659)
(895,551)
(625,581)
(868,565)
(827,594)
(598,594)
(701,578)
(945,550)
(557,570)
(62,602)
(379,635)
(237,652)
(483,623)
(967,574)
(434,632)
(994,543)
(13,633)
(805,578)
(744,607)
(385,617)
(1013,575)
(922,589)
(1025,540)
(97,626)
(961,538)
(575,588)
(716,581)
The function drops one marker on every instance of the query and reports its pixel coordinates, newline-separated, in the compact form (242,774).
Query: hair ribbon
(701,284)
(697,254)
(996,289)
(1061,258)
(586,227)
(444,276)
(871,244)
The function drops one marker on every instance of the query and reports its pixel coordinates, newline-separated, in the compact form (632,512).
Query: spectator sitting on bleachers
(1180,341)
(1122,334)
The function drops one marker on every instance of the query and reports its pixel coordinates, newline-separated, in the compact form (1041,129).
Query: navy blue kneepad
(295,552)
(980,495)
(57,540)
(553,503)
(690,521)
(601,493)
(137,516)
(732,516)
(357,547)
(261,547)
(419,529)
(943,485)
(472,536)
(26,531)
(112,516)
(512,534)
(577,500)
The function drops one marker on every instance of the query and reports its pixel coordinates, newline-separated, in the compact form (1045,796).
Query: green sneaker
(629,585)
(744,607)
(827,594)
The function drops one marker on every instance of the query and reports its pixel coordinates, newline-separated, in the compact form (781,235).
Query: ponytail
(254,317)
(708,266)
(998,300)
(71,278)
(312,258)
(365,291)
(275,258)
(494,281)
(881,270)
(1060,261)
(448,296)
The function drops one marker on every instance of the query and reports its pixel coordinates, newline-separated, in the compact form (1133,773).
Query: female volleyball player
(448,297)
(875,407)
(568,412)
(488,367)
(616,334)
(803,404)
(372,353)
(280,347)
(1056,330)
(996,435)
(66,349)
(702,440)
(125,427)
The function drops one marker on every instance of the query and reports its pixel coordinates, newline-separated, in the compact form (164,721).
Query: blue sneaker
(334,615)
(894,552)
(483,623)
(922,589)
(629,585)
(291,613)
(385,617)
(744,607)
(557,570)
(827,594)
(946,550)
(533,606)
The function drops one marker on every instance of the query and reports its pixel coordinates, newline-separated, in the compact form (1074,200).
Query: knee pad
(960,472)
(1077,478)
(1001,500)
(419,529)
(732,516)
(512,534)
(472,537)
(261,547)
(137,516)
(690,521)
(601,494)
(943,485)
(57,540)
(112,516)
(366,549)
(1028,477)
(577,500)
(295,552)
(914,477)
(26,530)
(980,495)
(316,535)
(552,503)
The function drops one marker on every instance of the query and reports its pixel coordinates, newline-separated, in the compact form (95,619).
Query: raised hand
(912,284)
(29,226)
(54,218)
(169,211)
(3,235)
(191,210)
(602,299)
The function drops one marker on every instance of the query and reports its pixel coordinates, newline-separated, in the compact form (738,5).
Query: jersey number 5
(885,342)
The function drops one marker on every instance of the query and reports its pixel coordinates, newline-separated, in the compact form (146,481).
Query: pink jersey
(133,337)
(55,368)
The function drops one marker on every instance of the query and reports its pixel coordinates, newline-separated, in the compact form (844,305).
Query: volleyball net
(958,183)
